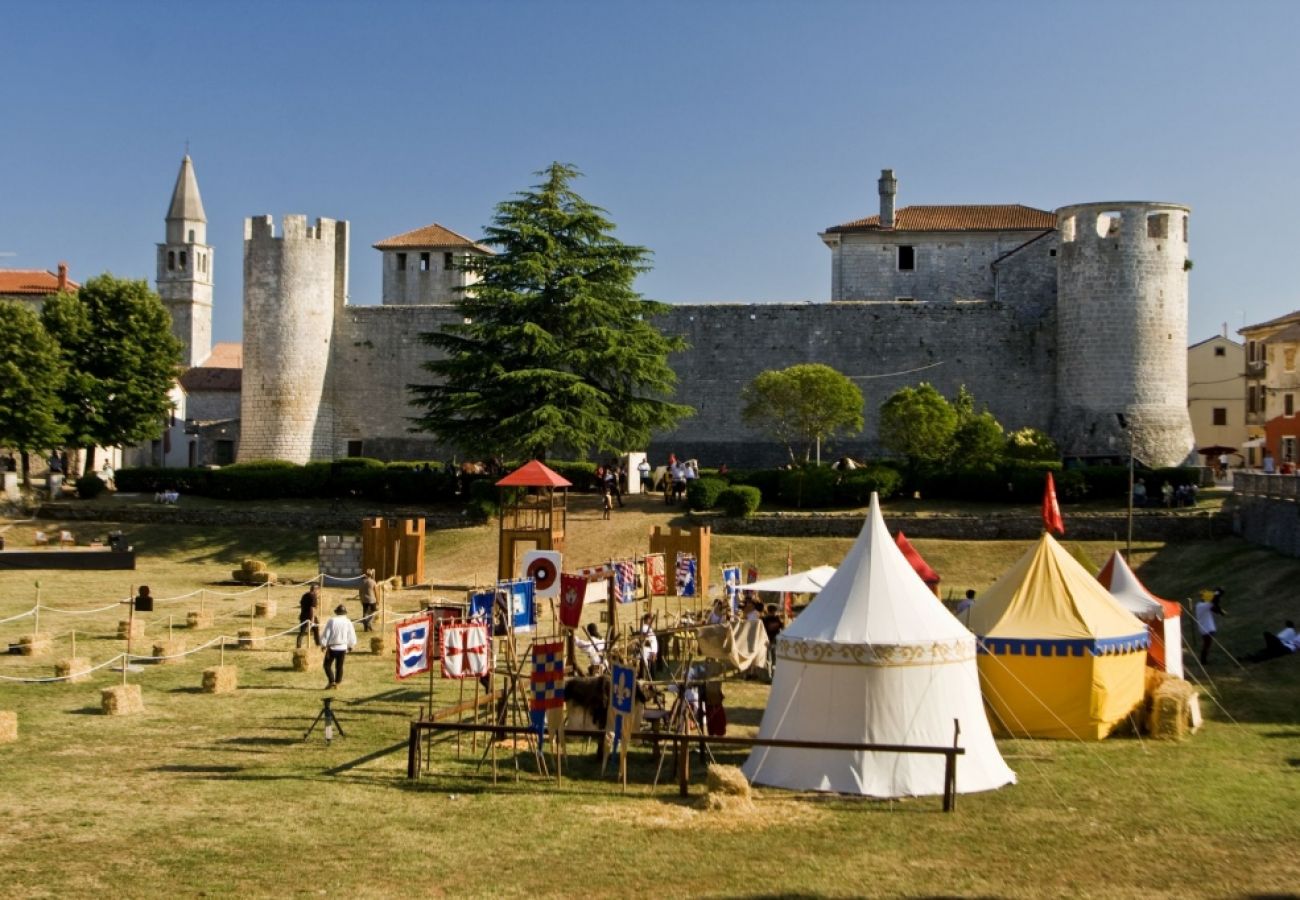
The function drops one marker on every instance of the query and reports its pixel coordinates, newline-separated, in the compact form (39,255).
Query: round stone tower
(1121,364)
(293,286)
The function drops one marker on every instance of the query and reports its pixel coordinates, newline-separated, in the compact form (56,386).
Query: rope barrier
(22,615)
(81,612)
(62,677)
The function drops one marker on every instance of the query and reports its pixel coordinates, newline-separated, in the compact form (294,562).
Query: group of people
(338,636)
(1169,497)
(678,478)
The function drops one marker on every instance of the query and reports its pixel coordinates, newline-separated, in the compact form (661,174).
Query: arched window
(171,259)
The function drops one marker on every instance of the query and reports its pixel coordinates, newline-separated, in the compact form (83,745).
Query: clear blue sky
(723,136)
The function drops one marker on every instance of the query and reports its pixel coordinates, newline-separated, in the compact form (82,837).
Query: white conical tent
(876,658)
(1162,617)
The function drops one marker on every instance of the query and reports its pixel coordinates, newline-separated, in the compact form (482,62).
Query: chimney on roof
(63,277)
(888,187)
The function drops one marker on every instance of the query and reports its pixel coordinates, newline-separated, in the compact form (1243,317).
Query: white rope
(62,677)
(22,615)
(82,612)
(200,647)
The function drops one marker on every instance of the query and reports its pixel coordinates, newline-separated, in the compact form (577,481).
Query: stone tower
(185,268)
(294,285)
(1121,328)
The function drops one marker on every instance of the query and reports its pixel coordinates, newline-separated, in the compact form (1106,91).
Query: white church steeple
(185,268)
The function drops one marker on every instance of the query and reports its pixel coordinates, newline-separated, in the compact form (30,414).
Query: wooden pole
(203,593)
(130,629)
(169,627)
(74,643)
(36,621)
(460,701)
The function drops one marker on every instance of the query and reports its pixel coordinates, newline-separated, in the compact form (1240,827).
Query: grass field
(219,795)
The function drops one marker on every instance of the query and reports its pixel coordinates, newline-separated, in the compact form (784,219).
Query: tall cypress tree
(556,350)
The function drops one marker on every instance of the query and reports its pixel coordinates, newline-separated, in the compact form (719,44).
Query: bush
(739,501)
(581,473)
(483,503)
(1030,443)
(90,486)
(854,488)
(811,486)
(702,493)
(1105,482)
(768,481)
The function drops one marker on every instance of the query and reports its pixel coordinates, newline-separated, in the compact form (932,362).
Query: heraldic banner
(547,683)
(573,593)
(656,579)
(413,646)
(625,581)
(731,582)
(685,575)
(622,690)
(466,650)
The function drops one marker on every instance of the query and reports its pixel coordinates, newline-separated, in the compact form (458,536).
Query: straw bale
(263,577)
(220,680)
(1170,717)
(379,644)
(251,565)
(8,726)
(238,575)
(728,791)
(35,644)
(199,618)
(133,628)
(74,668)
(301,659)
(170,648)
(121,700)
(264,609)
(249,638)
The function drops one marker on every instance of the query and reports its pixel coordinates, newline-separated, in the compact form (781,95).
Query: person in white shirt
(338,637)
(1284,643)
(649,643)
(590,644)
(718,615)
(1205,621)
(643,470)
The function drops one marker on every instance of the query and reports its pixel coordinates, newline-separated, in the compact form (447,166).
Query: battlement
(1130,221)
(295,228)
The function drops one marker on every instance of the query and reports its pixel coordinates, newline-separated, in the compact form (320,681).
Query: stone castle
(1073,321)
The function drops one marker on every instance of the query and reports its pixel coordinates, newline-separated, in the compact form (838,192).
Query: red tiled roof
(999,217)
(225,355)
(432,236)
(534,474)
(206,378)
(31,281)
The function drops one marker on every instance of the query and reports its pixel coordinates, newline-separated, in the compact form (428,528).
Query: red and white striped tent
(1163,618)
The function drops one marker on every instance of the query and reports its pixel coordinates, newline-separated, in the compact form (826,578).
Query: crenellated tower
(1121,331)
(185,268)
(294,286)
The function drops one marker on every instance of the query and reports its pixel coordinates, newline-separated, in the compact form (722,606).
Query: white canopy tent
(876,658)
(809,582)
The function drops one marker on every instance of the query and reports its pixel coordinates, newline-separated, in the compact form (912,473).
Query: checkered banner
(413,646)
(547,683)
(466,650)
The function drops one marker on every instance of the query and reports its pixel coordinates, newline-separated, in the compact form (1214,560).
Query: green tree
(803,406)
(978,441)
(1030,443)
(556,350)
(115,338)
(919,424)
(31,374)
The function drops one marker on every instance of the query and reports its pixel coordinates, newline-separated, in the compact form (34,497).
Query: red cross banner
(466,650)
(573,593)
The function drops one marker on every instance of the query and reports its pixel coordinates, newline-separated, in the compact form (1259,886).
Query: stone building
(1073,321)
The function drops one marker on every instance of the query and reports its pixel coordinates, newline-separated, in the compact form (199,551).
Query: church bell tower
(185,268)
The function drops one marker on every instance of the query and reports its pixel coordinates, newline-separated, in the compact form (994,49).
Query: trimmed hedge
(702,493)
(401,482)
(854,488)
(90,486)
(740,500)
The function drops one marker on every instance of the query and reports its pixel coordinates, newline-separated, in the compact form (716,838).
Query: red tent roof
(534,474)
(920,566)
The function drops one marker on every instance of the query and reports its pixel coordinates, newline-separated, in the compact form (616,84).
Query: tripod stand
(331,721)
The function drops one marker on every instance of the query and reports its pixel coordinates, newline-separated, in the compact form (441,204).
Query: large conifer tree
(556,350)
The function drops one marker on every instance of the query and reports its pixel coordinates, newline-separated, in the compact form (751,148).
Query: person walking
(369,599)
(307,604)
(338,638)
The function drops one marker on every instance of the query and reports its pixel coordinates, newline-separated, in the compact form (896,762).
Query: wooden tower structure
(534,510)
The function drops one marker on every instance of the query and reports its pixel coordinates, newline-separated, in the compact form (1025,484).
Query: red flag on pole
(573,591)
(1052,520)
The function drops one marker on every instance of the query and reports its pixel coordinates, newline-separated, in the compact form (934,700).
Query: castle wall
(292,286)
(1122,331)
(1002,352)
(951,266)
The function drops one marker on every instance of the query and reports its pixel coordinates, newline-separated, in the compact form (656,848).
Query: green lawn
(220,795)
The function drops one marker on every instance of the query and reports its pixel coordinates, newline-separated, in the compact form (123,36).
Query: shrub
(702,493)
(768,481)
(810,486)
(580,472)
(1106,481)
(1030,443)
(740,500)
(854,488)
(482,494)
(90,486)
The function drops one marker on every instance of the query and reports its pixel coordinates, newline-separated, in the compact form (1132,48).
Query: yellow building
(1272,389)
(1216,394)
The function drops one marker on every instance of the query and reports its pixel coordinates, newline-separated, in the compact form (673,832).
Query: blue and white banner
(520,594)
(622,692)
(731,582)
(685,575)
(413,642)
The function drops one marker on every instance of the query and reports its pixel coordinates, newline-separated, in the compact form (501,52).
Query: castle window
(1184,229)
(424,262)
(1067,229)
(354,448)
(1109,224)
(1220,415)
(171,259)
(401,262)
(906,258)
(447,261)
(1220,351)
(1158,225)
(183,259)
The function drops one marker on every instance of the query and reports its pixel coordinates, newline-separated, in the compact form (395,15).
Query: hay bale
(1171,714)
(220,680)
(130,628)
(249,638)
(74,668)
(260,578)
(199,618)
(8,726)
(264,609)
(301,659)
(35,644)
(121,700)
(379,644)
(170,651)
(238,575)
(251,565)
(728,790)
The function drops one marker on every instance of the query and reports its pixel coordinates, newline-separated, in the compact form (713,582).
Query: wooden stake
(74,644)
(460,702)
(36,622)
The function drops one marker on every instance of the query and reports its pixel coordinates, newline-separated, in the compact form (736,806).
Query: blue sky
(723,136)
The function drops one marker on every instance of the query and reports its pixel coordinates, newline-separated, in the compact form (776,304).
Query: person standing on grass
(307,604)
(338,638)
(1205,611)
(607,503)
(369,599)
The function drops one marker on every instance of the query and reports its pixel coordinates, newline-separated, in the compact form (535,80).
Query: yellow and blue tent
(1059,657)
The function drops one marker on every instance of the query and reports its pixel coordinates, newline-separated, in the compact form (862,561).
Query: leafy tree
(919,424)
(978,441)
(1030,443)
(115,338)
(31,374)
(556,349)
(802,406)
